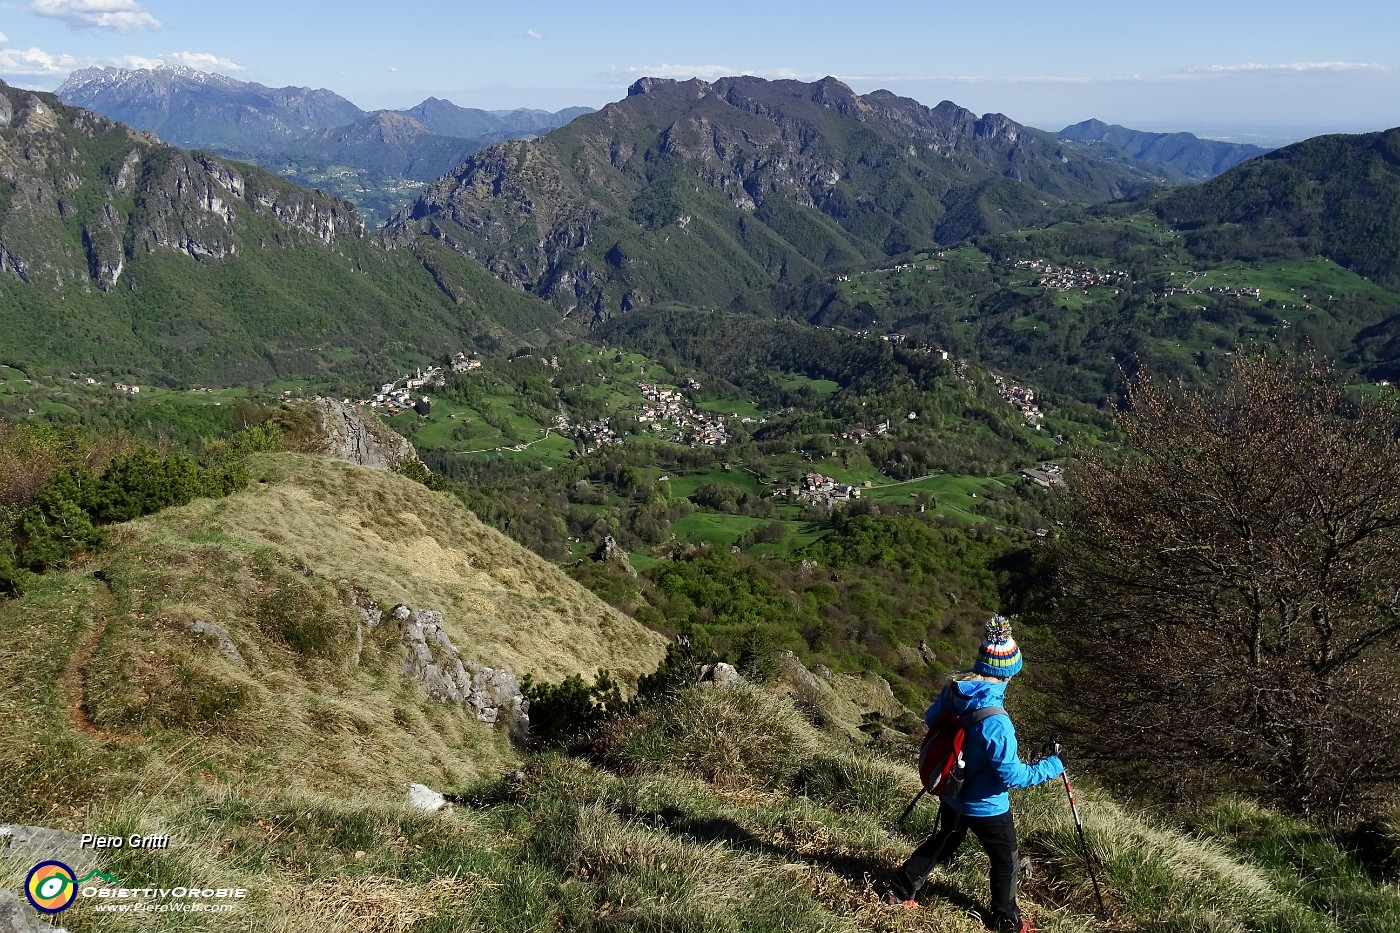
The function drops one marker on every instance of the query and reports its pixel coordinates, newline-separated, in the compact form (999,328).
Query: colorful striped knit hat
(999,656)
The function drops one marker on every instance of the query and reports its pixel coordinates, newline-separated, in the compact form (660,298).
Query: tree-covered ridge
(1335,196)
(1179,156)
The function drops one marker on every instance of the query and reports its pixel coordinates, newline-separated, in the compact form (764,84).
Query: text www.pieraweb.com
(169,907)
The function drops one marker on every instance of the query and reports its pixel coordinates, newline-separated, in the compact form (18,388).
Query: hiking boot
(1017,925)
(894,900)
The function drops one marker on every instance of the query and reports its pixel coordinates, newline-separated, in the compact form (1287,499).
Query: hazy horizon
(1250,72)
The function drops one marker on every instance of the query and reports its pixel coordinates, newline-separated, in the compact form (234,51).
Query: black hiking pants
(998,837)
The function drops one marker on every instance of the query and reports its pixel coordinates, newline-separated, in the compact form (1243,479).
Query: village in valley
(673,409)
(1063,278)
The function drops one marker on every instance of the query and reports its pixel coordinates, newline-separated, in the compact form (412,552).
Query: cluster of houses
(119,386)
(1046,475)
(1220,290)
(819,489)
(666,412)
(1062,278)
(394,397)
(461,363)
(859,434)
(1020,398)
(591,435)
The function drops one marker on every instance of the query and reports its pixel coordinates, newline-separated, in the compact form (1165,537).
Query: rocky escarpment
(696,191)
(346,432)
(85,195)
(492,695)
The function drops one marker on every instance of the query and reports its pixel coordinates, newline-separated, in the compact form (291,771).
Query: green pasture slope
(466,422)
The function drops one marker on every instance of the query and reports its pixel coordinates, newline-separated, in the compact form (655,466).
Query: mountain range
(119,251)
(296,130)
(125,255)
(696,191)
(1181,157)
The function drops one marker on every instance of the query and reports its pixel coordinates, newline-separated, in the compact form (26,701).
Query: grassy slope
(104,671)
(725,810)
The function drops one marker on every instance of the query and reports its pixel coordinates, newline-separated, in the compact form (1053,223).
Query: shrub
(566,711)
(741,734)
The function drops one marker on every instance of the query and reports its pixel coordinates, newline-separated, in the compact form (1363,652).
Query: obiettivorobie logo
(52,886)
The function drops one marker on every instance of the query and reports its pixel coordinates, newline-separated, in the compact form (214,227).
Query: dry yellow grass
(107,687)
(376,904)
(401,542)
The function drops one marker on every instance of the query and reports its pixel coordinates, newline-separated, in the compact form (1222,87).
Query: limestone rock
(16,916)
(612,552)
(35,843)
(348,433)
(721,675)
(494,695)
(422,797)
(220,635)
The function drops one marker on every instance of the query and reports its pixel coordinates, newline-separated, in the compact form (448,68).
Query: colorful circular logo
(51,887)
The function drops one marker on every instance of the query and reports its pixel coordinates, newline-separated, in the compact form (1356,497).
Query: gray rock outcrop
(34,843)
(220,634)
(16,916)
(350,434)
(494,695)
(612,552)
(21,847)
(721,675)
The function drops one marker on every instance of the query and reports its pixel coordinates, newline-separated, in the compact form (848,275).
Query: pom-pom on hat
(999,655)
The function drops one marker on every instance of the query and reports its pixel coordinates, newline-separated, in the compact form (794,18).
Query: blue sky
(1282,69)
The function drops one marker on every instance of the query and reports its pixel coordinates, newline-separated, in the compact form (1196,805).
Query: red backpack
(941,765)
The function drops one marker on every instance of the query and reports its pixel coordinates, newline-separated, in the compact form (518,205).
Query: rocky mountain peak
(999,126)
(798,174)
(693,87)
(829,92)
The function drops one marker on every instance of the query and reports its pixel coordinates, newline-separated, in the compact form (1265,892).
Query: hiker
(993,768)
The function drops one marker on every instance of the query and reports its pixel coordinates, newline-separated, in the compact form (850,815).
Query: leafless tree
(1227,592)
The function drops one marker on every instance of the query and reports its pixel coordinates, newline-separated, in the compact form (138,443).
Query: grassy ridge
(725,810)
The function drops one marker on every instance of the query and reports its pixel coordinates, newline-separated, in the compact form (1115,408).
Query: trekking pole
(899,823)
(1083,843)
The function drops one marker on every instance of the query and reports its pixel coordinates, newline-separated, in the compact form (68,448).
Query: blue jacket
(989,750)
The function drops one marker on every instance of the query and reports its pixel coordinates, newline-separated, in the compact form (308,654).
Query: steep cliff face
(696,191)
(85,195)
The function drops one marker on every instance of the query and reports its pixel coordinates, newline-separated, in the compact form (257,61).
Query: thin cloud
(1293,67)
(35,62)
(984,79)
(703,72)
(531,34)
(199,61)
(121,15)
(4,38)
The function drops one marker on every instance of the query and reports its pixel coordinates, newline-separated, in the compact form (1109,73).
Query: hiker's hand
(1058,751)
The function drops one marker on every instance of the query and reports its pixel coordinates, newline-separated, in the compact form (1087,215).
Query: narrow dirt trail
(75,678)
